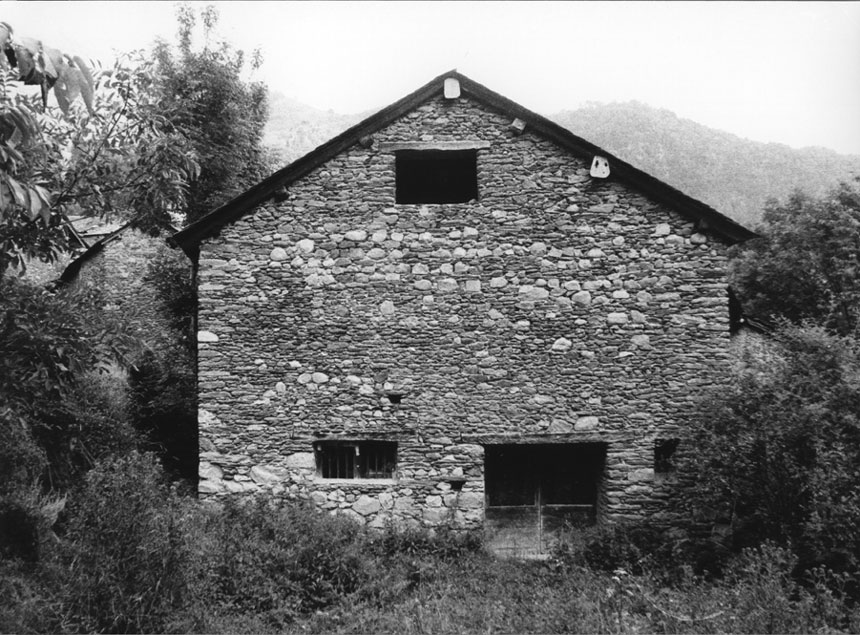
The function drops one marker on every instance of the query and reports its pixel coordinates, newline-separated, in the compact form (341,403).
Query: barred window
(356,459)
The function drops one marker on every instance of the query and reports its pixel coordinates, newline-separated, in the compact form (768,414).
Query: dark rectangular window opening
(664,455)
(436,176)
(356,459)
(543,474)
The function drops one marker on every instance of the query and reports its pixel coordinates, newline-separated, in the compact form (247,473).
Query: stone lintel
(576,436)
(390,146)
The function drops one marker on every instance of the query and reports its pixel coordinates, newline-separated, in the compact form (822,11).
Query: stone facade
(555,309)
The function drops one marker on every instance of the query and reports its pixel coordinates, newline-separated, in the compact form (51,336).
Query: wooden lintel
(390,146)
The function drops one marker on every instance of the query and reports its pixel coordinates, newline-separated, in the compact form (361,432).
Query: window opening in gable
(664,455)
(356,459)
(436,176)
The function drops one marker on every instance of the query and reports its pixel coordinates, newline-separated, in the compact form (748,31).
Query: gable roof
(190,237)
(108,233)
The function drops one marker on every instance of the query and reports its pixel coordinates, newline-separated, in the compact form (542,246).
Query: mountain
(734,175)
(294,128)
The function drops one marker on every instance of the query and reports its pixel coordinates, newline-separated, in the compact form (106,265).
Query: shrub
(161,390)
(126,554)
(276,561)
(442,544)
(775,455)
(631,547)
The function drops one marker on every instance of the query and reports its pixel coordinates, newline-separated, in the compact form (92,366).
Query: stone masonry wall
(557,308)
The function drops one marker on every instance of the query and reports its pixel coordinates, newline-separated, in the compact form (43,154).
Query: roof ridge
(189,237)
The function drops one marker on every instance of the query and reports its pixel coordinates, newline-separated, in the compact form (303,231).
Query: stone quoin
(441,318)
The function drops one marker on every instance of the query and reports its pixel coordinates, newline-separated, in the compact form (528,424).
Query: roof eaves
(73,268)
(189,238)
(659,190)
(210,224)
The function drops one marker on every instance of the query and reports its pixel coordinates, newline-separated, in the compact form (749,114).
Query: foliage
(172,277)
(50,406)
(776,454)
(134,557)
(442,544)
(635,547)
(806,265)
(161,382)
(127,557)
(162,391)
(279,561)
(37,64)
(205,96)
(126,159)
(119,156)
(44,342)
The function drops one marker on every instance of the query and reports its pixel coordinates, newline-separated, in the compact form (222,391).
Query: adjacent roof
(190,237)
(106,233)
(74,267)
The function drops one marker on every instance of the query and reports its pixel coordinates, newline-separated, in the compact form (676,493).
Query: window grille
(356,459)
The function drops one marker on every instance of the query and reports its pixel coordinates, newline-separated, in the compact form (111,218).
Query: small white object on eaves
(452,88)
(599,167)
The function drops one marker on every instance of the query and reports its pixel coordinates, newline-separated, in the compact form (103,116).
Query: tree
(203,93)
(776,454)
(49,344)
(105,149)
(806,265)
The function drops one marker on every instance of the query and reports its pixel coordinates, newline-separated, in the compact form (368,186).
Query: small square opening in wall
(436,176)
(664,455)
(356,459)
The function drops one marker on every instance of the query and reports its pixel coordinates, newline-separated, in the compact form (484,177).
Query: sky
(783,72)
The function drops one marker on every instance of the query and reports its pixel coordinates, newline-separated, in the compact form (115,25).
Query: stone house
(118,262)
(457,313)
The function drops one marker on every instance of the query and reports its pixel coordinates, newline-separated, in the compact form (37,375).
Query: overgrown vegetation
(806,264)
(135,557)
(776,454)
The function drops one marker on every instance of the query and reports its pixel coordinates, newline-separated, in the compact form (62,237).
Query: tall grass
(133,556)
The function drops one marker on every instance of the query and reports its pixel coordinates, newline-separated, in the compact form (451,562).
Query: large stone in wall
(300,461)
(366,505)
(268,474)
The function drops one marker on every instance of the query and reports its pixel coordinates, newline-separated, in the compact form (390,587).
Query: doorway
(534,492)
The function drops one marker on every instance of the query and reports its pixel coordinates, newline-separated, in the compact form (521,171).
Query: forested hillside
(294,128)
(734,175)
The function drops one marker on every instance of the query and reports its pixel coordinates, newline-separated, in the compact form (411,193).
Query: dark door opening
(535,492)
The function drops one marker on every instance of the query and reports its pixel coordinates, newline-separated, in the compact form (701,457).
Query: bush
(126,555)
(276,561)
(758,594)
(775,455)
(442,544)
(632,547)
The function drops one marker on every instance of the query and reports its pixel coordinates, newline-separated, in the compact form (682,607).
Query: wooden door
(537,492)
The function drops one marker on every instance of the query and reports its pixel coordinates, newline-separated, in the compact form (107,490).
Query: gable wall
(557,308)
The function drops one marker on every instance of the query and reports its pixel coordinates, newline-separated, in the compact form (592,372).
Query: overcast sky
(785,72)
